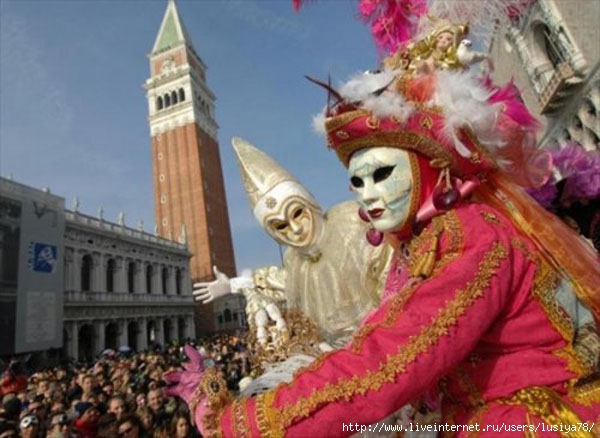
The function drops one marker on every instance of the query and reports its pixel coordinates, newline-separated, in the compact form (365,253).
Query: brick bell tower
(189,192)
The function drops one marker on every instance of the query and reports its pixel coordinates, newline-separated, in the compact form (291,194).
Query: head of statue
(445,35)
(444,40)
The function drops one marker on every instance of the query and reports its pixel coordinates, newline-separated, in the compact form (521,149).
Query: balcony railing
(559,87)
(81,297)
(120,229)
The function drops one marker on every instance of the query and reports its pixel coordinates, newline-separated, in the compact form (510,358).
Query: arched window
(174,97)
(548,45)
(167,101)
(149,274)
(164,278)
(181,95)
(86,272)
(178,281)
(131,277)
(110,275)
(227,315)
(159,103)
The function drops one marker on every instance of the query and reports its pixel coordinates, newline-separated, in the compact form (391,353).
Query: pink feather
(393,22)
(514,107)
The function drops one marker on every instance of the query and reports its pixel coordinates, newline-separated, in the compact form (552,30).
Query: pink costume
(485,325)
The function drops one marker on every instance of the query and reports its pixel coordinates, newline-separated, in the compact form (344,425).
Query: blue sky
(73,113)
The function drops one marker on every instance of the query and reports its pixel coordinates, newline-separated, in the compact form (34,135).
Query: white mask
(383,181)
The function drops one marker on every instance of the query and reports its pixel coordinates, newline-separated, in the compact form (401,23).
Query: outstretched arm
(206,292)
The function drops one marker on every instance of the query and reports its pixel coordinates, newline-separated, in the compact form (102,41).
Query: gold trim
(586,394)
(450,224)
(372,122)
(345,389)
(240,419)
(266,418)
(546,404)
(490,217)
(544,286)
(336,122)
(342,135)
(426,122)
(408,140)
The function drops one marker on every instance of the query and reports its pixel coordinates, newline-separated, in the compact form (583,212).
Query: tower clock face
(167,65)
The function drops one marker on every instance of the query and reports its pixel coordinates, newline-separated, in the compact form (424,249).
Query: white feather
(389,103)
(464,99)
(360,86)
(481,15)
(318,123)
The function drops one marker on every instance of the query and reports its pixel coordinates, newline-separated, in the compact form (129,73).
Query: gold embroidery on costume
(408,140)
(490,217)
(266,419)
(450,224)
(544,288)
(586,394)
(337,122)
(345,389)
(546,404)
(240,418)
(398,303)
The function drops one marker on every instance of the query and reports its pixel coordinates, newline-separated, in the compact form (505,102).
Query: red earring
(374,237)
(445,196)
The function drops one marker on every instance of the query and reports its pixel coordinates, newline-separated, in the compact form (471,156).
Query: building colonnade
(85,339)
(96,272)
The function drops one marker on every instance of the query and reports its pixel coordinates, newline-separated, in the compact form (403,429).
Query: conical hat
(266,182)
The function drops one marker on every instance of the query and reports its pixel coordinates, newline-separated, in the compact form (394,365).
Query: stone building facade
(98,285)
(123,287)
(553,53)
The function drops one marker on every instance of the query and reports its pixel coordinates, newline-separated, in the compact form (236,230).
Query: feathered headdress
(395,23)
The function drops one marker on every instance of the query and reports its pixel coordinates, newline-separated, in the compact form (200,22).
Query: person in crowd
(87,386)
(107,425)
(180,426)
(60,425)
(29,426)
(8,429)
(116,405)
(129,426)
(146,418)
(86,423)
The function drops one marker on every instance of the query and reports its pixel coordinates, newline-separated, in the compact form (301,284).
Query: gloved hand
(184,384)
(209,290)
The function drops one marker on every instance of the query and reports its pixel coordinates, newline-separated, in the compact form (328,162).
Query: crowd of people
(117,395)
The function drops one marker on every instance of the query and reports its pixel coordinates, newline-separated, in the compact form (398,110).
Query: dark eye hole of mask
(297,213)
(356,182)
(382,173)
